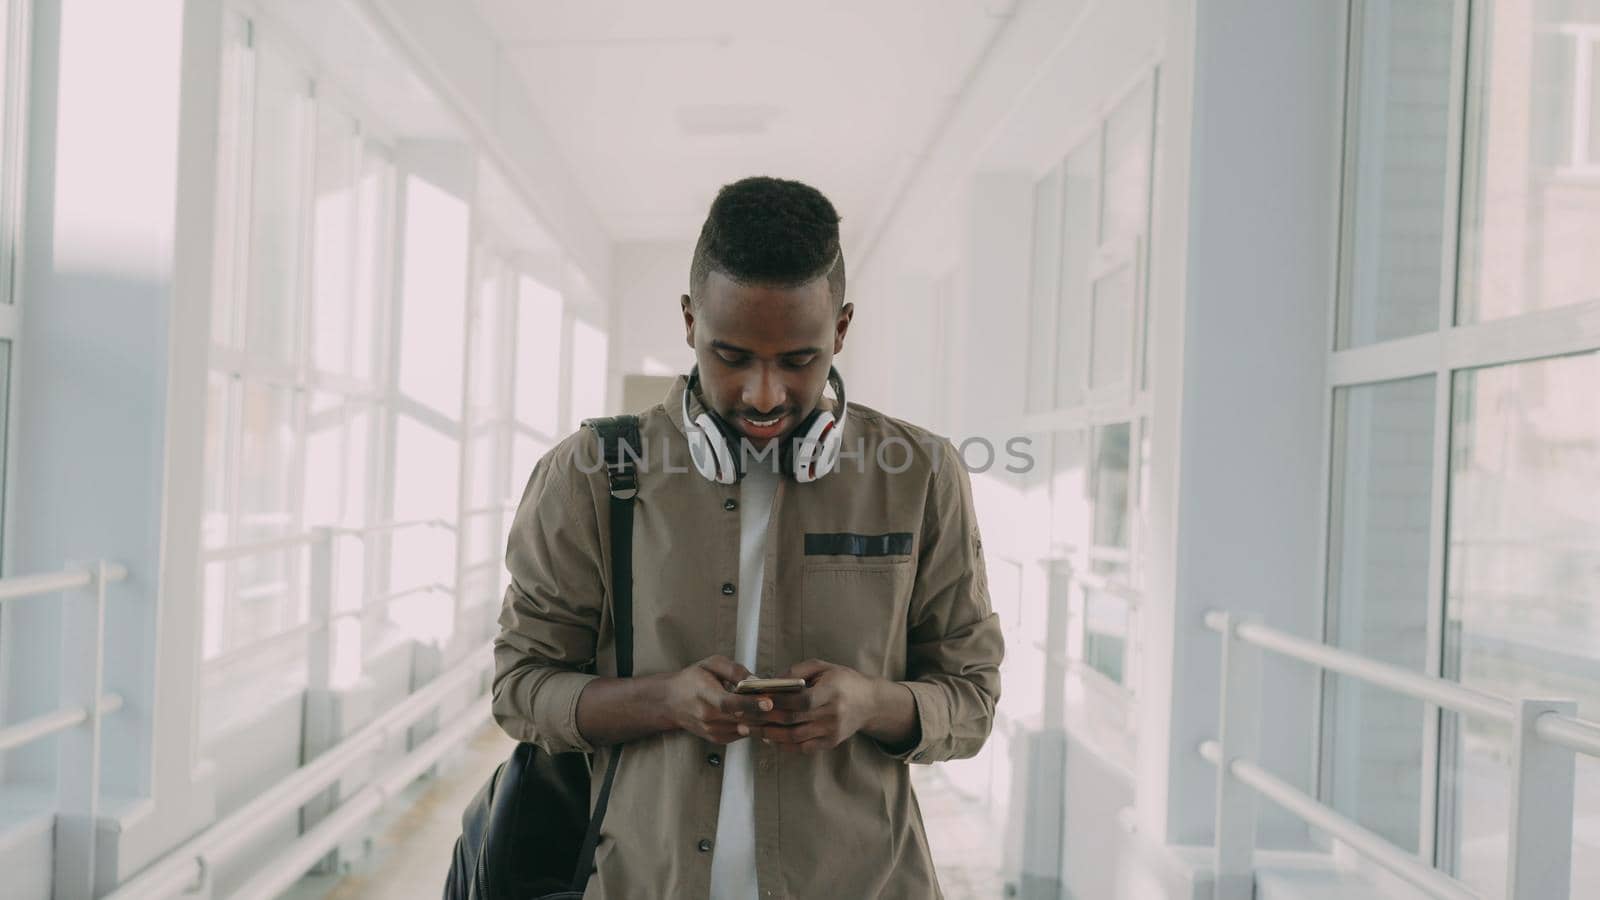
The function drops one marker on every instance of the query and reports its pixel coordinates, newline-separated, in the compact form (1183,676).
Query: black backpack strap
(620,449)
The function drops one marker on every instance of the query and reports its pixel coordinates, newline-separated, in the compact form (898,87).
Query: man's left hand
(837,702)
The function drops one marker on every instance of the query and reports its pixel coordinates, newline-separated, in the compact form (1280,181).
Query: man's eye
(799,362)
(732,360)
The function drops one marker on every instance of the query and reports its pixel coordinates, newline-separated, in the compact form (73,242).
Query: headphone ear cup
(709,450)
(816,453)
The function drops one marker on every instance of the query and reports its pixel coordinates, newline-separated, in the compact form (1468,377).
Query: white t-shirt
(733,861)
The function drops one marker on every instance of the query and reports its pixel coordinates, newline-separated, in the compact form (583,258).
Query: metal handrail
(20,586)
(1447,694)
(42,726)
(292,541)
(45,725)
(1538,770)
(295,632)
(1571,732)
(185,870)
(1309,809)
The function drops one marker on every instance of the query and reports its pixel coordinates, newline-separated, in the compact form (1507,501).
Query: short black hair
(769,231)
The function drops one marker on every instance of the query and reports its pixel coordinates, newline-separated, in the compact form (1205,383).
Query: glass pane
(1042,292)
(1111,317)
(221,409)
(333,248)
(1069,493)
(486,392)
(324,464)
(276,205)
(427,465)
(1125,209)
(1532,217)
(5,417)
(374,243)
(233,120)
(1105,633)
(357,464)
(266,463)
(1593,156)
(1400,151)
(1110,485)
(1382,486)
(1522,602)
(588,371)
(1078,247)
(538,355)
(433,317)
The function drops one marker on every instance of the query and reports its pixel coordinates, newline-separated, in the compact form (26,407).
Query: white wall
(646,281)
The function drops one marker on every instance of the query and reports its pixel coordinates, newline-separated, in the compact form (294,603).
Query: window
(1378,600)
(1400,100)
(1091,215)
(1522,587)
(293,425)
(12,119)
(1090,230)
(1533,196)
(1463,536)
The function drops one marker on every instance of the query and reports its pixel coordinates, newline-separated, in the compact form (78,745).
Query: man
(862,574)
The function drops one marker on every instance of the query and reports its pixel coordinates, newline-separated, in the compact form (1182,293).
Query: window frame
(1447,350)
(15,58)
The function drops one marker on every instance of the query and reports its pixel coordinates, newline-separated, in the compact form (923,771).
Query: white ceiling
(656,105)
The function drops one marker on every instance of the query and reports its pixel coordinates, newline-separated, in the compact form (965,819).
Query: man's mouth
(763,429)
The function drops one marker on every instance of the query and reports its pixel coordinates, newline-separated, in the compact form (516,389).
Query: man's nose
(765,392)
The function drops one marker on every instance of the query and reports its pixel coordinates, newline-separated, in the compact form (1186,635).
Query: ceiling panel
(655,105)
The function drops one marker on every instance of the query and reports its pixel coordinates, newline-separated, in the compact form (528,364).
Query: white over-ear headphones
(815,444)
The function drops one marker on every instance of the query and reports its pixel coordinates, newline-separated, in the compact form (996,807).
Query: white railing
(76,724)
(188,870)
(315,630)
(1546,735)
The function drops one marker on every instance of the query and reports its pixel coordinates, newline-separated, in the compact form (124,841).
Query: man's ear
(687,306)
(846,313)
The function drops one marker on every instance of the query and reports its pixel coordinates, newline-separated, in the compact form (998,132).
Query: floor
(412,849)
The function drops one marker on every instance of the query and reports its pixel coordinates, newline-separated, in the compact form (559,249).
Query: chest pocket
(854,610)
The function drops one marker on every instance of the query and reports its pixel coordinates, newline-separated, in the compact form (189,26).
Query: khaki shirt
(913,607)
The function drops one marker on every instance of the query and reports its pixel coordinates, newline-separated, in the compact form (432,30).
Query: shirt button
(704,845)
(714,760)
(730,504)
(727,588)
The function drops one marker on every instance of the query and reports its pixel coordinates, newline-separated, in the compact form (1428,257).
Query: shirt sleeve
(954,642)
(550,619)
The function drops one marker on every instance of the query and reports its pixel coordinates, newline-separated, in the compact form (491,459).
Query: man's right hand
(700,699)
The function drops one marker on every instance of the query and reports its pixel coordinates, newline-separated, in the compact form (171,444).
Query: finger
(781,717)
(808,669)
(743,706)
(723,667)
(795,700)
(787,734)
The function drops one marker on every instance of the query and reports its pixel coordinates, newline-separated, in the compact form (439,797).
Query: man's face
(764,352)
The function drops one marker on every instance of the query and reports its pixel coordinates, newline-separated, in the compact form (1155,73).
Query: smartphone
(754,685)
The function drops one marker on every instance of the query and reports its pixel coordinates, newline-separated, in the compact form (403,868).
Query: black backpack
(528,833)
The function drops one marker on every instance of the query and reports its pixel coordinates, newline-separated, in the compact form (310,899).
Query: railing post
(83,629)
(320,642)
(1542,783)
(320,725)
(1239,725)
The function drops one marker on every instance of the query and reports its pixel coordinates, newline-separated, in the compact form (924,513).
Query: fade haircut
(769,231)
